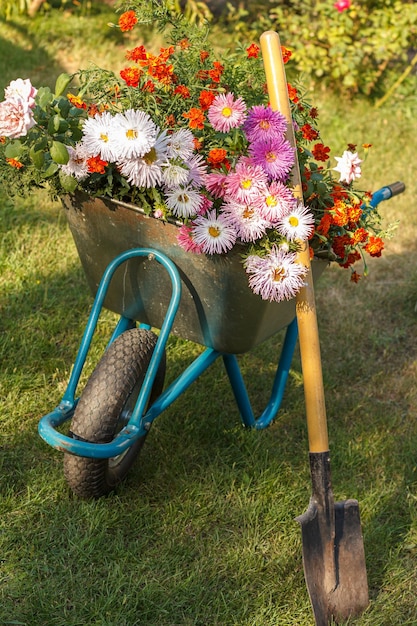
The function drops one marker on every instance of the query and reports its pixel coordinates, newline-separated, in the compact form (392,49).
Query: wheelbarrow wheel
(105,407)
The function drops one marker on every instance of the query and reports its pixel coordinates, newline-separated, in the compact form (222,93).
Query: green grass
(203,533)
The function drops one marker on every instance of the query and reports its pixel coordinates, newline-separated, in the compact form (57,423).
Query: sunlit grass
(203,531)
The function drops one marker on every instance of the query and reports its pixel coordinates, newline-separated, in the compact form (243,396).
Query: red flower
(286,54)
(206,99)
(253,51)
(96,165)
(217,158)
(342,5)
(182,90)
(15,163)
(320,152)
(309,133)
(131,76)
(137,54)
(292,93)
(127,21)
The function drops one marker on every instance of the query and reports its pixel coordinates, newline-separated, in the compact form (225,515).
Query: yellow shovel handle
(305,303)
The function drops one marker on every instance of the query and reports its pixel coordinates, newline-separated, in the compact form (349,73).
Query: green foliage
(353,50)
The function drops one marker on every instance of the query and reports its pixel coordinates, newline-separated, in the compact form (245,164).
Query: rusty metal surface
(217,307)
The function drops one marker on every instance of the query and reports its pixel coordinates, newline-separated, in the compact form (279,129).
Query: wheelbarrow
(135,268)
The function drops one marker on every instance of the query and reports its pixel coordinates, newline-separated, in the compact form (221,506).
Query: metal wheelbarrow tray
(217,307)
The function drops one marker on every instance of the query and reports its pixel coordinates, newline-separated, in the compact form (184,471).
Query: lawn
(203,531)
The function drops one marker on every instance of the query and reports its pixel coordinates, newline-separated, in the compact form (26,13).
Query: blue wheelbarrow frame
(141,419)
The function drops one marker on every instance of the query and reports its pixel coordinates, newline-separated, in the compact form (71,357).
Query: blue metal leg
(278,388)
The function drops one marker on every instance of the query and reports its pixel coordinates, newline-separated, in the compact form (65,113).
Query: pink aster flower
(246,182)
(226,112)
(277,201)
(275,156)
(348,166)
(262,121)
(215,183)
(246,219)
(277,276)
(186,240)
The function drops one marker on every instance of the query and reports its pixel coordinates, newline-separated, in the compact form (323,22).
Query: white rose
(15,118)
(23,90)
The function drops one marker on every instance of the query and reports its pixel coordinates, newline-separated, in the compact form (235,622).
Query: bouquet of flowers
(188,135)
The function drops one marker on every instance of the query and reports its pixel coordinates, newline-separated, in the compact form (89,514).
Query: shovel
(333,551)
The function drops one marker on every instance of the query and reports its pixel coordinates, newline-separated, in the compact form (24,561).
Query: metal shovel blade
(333,550)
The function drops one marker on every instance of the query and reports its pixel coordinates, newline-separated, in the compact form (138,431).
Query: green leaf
(69,183)
(62,83)
(59,153)
(37,157)
(51,170)
(13,150)
(44,97)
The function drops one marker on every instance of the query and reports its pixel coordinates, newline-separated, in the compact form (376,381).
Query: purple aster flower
(275,156)
(262,121)
(215,184)
(277,276)
(226,112)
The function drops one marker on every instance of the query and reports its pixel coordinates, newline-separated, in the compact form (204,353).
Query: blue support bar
(278,388)
(49,423)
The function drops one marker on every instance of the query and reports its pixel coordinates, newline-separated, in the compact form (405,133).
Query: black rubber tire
(103,409)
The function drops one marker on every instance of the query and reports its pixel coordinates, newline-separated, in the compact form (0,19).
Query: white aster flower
(77,162)
(181,144)
(99,136)
(277,276)
(135,134)
(147,171)
(297,224)
(197,170)
(184,201)
(175,175)
(213,233)
(348,166)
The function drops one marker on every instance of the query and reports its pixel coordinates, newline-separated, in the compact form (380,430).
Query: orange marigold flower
(148,86)
(340,214)
(15,163)
(355,277)
(314,113)
(170,120)
(366,146)
(339,193)
(196,118)
(96,166)
(339,245)
(217,157)
(217,71)
(307,173)
(184,43)
(354,213)
(137,54)
(127,21)
(182,90)
(359,236)
(320,152)
(253,51)
(309,132)
(324,225)
(351,147)
(206,98)
(204,55)
(76,101)
(131,76)
(286,54)
(292,93)
(374,246)
(198,144)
